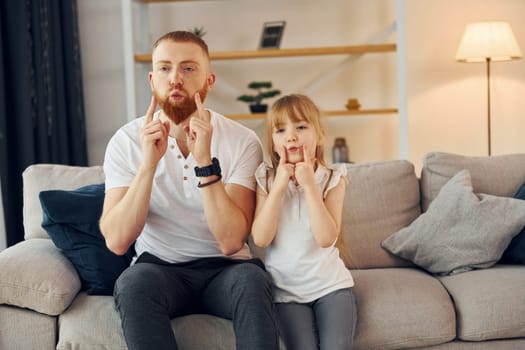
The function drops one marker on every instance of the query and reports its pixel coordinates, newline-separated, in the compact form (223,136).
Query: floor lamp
(488,42)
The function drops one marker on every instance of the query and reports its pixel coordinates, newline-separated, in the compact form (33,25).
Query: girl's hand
(153,137)
(285,171)
(304,171)
(198,134)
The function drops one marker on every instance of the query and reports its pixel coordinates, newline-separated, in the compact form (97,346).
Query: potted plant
(198,31)
(264,90)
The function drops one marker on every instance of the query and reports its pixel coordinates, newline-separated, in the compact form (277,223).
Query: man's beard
(178,111)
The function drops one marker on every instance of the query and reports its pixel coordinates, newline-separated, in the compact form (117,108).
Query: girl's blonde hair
(295,107)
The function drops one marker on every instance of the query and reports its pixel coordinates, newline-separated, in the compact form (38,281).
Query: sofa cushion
(71,220)
(490,303)
(104,331)
(515,252)
(381,198)
(92,322)
(40,177)
(460,231)
(497,175)
(35,275)
(503,344)
(26,329)
(399,308)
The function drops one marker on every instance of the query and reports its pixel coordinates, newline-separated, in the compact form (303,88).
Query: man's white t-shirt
(176,229)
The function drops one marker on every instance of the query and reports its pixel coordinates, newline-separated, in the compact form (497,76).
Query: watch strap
(213,169)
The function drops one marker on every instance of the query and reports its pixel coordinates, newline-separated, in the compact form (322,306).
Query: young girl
(298,220)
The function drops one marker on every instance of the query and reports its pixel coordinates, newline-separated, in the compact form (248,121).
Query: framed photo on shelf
(272,34)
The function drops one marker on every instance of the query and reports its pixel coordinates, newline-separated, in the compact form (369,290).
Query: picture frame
(271,35)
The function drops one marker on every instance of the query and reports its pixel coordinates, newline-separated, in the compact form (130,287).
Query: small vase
(261,108)
(340,151)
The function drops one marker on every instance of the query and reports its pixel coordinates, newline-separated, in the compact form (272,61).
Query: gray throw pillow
(35,275)
(460,230)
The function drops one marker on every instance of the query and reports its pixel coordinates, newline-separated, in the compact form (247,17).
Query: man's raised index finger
(151,110)
(200,107)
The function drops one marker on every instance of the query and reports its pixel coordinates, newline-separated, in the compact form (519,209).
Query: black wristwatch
(213,169)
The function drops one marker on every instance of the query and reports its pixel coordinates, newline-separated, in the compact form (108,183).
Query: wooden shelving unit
(152,1)
(136,46)
(297,52)
(346,113)
(294,52)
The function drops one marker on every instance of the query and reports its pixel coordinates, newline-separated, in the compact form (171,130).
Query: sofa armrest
(34,274)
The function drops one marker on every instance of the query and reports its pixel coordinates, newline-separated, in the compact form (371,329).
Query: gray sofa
(400,305)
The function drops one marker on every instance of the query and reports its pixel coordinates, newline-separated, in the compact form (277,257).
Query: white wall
(446,99)
(100,28)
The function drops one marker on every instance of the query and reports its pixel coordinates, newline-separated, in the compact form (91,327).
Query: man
(180,184)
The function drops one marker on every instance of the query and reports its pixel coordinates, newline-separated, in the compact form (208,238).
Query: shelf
(359,112)
(347,113)
(270,53)
(152,1)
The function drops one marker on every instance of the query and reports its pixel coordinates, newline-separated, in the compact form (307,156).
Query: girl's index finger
(283,156)
(151,110)
(306,158)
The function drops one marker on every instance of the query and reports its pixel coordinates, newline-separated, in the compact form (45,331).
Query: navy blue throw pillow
(515,252)
(71,220)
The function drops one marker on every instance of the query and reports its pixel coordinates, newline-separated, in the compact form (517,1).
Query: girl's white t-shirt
(301,270)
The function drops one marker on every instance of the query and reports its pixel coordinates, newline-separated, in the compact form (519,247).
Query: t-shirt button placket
(187,183)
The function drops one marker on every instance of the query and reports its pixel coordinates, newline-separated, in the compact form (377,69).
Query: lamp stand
(488,104)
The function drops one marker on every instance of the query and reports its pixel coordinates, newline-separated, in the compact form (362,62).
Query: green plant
(263,89)
(198,31)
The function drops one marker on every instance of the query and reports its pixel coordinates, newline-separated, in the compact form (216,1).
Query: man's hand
(154,137)
(198,134)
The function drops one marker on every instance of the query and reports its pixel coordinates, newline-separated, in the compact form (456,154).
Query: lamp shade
(493,40)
